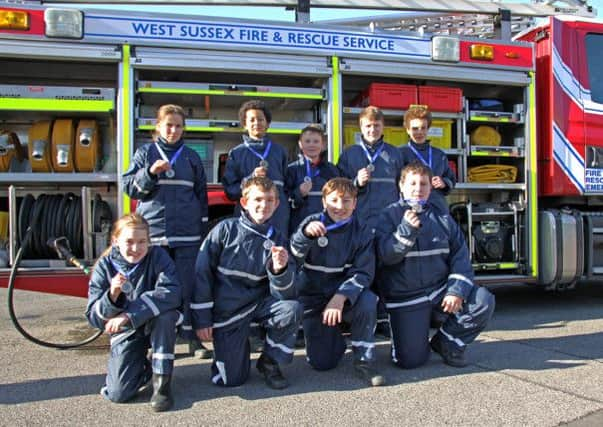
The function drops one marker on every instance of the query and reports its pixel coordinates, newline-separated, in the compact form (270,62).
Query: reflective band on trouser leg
(39,146)
(63,135)
(86,146)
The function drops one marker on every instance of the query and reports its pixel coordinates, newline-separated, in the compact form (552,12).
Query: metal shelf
(221,89)
(194,125)
(57,178)
(488,151)
(392,112)
(488,186)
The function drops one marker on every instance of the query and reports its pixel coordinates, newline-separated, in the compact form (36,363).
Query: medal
(309,175)
(127,287)
(416,205)
(262,157)
(323,241)
(170,173)
(371,159)
(267,244)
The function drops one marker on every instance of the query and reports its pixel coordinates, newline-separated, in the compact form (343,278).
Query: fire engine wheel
(47,320)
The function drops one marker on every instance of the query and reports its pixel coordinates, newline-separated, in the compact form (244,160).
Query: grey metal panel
(569,259)
(257,63)
(454,72)
(548,247)
(56,50)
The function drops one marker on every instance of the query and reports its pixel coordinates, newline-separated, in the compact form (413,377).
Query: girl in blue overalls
(134,295)
(168,180)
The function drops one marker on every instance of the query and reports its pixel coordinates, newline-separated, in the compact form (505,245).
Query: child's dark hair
(372,113)
(167,109)
(417,112)
(340,185)
(265,184)
(254,105)
(417,168)
(132,220)
(312,129)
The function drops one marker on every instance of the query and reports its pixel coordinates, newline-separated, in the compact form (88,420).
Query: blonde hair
(340,185)
(133,220)
(372,113)
(263,183)
(166,110)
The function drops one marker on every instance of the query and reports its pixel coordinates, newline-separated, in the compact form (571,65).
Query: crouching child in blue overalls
(134,295)
(337,259)
(425,274)
(244,274)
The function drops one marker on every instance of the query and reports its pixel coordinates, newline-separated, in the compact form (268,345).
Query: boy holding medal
(257,156)
(425,275)
(417,121)
(373,165)
(336,257)
(307,175)
(244,274)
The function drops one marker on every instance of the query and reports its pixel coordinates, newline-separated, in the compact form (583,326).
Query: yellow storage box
(440,134)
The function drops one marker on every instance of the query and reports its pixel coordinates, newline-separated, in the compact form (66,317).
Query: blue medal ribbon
(370,158)
(309,169)
(265,236)
(336,225)
(258,155)
(123,272)
(420,157)
(167,159)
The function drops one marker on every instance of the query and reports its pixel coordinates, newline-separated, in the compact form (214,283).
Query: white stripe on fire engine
(572,87)
(567,158)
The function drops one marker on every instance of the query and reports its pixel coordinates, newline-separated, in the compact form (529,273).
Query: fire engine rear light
(66,23)
(444,48)
(14,20)
(480,51)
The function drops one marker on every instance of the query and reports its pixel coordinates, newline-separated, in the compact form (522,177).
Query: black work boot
(161,400)
(367,372)
(272,373)
(451,355)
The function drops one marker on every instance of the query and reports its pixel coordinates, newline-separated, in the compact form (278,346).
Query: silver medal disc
(264,163)
(127,287)
(370,167)
(307,179)
(268,244)
(170,173)
(323,241)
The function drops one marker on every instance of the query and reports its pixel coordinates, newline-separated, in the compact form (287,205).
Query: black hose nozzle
(63,250)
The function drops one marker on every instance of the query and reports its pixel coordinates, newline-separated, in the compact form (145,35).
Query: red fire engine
(522,123)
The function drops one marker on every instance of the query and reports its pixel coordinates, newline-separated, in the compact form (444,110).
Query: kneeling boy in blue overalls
(425,273)
(244,274)
(336,256)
